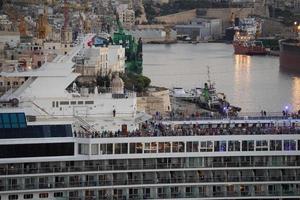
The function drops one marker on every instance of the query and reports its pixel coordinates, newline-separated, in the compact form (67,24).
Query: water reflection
(242,60)
(253,83)
(242,75)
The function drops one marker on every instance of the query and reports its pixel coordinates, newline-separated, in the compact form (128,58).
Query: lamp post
(225,109)
(286,108)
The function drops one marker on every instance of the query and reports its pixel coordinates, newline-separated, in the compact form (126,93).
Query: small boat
(206,98)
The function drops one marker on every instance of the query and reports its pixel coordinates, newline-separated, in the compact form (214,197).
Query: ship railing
(187,132)
(240,116)
(109,90)
(118,182)
(158,166)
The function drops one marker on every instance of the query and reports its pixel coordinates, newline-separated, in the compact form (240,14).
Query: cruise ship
(61,142)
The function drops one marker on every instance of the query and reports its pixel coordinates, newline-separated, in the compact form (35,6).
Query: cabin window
(58,194)
(13,197)
(206,146)
(136,148)
(121,148)
(177,146)
(53,104)
(83,149)
(275,145)
(73,102)
(289,145)
(220,146)
(80,102)
(164,147)
(28,196)
(192,147)
(262,145)
(150,147)
(95,149)
(64,103)
(106,148)
(89,102)
(43,195)
(234,145)
(248,145)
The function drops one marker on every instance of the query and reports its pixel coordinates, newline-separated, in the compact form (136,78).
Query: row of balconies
(5,186)
(12,170)
(169,194)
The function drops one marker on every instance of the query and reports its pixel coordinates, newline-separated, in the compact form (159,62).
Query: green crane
(133,49)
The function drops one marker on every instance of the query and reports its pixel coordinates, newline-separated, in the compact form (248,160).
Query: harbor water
(253,83)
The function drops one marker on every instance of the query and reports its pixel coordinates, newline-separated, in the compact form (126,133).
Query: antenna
(208,74)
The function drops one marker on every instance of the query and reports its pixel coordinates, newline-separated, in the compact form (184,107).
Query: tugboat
(206,98)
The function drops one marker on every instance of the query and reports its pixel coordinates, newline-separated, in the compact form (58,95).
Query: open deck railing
(240,116)
(160,130)
(166,181)
(154,166)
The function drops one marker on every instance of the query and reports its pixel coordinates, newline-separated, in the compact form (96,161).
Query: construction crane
(133,49)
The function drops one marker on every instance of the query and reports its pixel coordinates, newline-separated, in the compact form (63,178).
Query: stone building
(126,15)
(116,59)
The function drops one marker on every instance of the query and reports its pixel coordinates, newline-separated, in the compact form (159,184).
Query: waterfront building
(93,62)
(201,29)
(154,33)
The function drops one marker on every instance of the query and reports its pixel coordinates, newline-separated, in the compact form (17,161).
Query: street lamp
(225,109)
(286,108)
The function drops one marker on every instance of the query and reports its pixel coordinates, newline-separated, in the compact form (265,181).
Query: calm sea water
(253,83)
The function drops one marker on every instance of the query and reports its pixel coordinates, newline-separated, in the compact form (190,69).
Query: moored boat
(249,48)
(245,44)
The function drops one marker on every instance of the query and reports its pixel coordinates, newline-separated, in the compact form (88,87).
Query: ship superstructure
(64,144)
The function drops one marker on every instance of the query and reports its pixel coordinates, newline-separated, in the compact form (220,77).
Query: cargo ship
(249,48)
(245,38)
(290,54)
(244,44)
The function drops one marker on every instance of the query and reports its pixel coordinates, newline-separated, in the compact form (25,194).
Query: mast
(208,76)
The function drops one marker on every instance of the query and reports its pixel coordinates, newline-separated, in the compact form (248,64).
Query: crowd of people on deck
(155,129)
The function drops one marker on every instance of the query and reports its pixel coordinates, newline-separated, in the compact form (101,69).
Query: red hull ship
(249,48)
